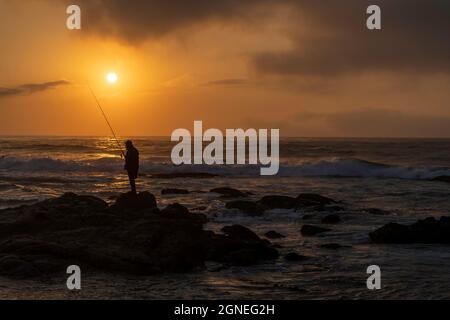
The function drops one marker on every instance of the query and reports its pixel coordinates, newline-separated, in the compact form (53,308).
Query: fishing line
(106,119)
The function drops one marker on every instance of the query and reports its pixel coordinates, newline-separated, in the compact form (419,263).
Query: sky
(308,68)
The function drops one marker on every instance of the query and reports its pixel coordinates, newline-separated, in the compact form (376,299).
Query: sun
(112,77)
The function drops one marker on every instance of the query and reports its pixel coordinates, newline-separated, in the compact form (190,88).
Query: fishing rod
(107,121)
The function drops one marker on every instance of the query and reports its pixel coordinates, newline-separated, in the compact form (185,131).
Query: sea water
(389,174)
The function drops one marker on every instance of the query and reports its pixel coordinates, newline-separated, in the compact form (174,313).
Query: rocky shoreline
(134,236)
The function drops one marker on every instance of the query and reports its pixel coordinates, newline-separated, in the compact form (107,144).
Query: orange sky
(274,68)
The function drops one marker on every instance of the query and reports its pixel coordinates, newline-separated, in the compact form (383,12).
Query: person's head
(129,144)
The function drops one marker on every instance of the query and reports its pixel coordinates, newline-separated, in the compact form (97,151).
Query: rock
(442,179)
(174,191)
(247,207)
(331,219)
(178,211)
(229,192)
(240,246)
(274,235)
(334,208)
(308,216)
(251,254)
(15,267)
(428,230)
(240,232)
(190,175)
(309,230)
(333,246)
(278,202)
(292,256)
(312,199)
(377,212)
(303,200)
(46,237)
(202,208)
(140,201)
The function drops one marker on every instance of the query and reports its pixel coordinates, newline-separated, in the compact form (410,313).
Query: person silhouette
(132,164)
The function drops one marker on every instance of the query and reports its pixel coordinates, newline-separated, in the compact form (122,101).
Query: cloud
(379,123)
(329,37)
(413,39)
(138,20)
(227,82)
(30,88)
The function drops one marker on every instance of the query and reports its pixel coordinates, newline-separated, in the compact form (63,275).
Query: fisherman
(132,164)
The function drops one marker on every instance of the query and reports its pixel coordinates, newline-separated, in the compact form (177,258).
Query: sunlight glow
(112,77)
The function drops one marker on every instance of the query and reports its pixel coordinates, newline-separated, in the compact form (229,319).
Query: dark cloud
(31,88)
(137,20)
(413,39)
(227,82)
(380,123)
(414,35)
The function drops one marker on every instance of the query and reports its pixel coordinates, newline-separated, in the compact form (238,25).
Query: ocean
(393,175)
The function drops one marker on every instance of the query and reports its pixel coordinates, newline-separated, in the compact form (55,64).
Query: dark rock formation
(177,211)
(308,216)
(174,191)
(333,246)
(295,257)
(237,231)
(240,246)
(190,175)
(247,207)
(131,236)
(309,230)
(274,235)
(278,202)
(442,179)
(140,201)
(304,200)
(229,192)
(312,199)
(428,230)
(377,212)
(331,219)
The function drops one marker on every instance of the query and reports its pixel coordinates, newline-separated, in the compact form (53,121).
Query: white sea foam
(337,167)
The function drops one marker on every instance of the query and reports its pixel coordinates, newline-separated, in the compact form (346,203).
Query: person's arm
(126,161)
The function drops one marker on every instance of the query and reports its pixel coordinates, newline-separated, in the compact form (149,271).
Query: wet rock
(15,267)
(190,175)
(442,179)
(294,257)
(428,230)
(247,207)
(240,232)
(334,208)
(331,219)
(274,235)
(278,202)
(312,199)
(229,192)
(178,211)
(310,230)
(202,208)
(46,237)
(140,201)
(174,191)
(240,246)
(377,212)
(333,246)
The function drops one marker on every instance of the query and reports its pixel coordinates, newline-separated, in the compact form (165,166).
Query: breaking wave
(339,167)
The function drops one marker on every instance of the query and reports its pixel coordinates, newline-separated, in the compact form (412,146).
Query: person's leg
(132,182)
